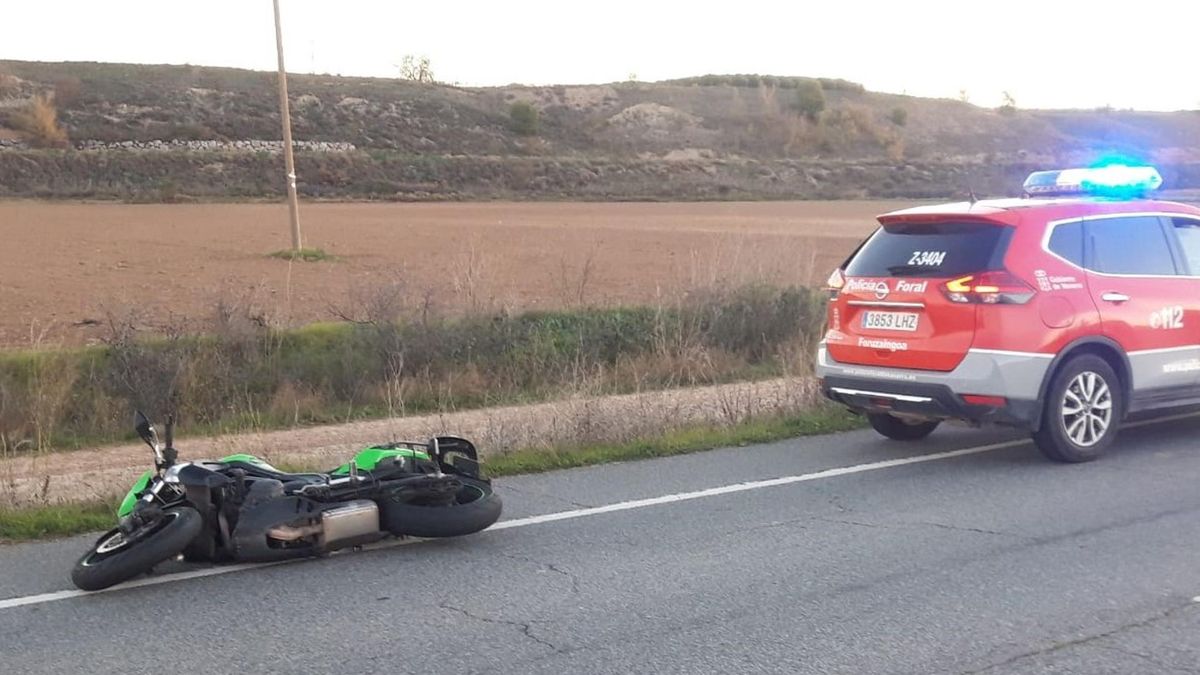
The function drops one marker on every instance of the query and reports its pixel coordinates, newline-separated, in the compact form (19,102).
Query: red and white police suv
(1060,312)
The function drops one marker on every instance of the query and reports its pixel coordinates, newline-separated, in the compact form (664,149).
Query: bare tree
(1009,104)
(416,69)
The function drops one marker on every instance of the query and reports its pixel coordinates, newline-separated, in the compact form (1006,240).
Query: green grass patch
(304,255)
(59,520)
(820,420)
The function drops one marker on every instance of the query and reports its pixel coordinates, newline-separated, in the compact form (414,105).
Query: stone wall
(202,146)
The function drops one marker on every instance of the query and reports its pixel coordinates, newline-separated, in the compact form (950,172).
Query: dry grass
(39,122)
(388,358)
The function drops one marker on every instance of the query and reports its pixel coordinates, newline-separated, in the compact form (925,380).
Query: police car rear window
(930,250)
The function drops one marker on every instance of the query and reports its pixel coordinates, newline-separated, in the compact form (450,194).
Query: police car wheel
(1082,411)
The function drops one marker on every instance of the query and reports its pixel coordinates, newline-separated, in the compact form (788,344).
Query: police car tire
(901,430)
(1052,438)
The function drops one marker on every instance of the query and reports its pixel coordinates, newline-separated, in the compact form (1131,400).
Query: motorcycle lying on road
(240,508)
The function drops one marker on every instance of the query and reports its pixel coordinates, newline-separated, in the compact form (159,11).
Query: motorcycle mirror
(145,430)
(169,453)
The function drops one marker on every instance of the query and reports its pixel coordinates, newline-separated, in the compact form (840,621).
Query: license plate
(906,321)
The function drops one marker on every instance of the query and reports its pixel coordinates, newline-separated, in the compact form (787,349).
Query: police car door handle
(1113,296)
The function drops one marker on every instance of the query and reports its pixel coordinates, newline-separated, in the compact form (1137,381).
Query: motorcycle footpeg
(315,490)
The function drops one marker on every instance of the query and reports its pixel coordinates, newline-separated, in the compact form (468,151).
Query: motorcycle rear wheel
(475,507)
(115,558)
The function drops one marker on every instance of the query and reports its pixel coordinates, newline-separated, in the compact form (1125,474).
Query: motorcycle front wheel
(118,557)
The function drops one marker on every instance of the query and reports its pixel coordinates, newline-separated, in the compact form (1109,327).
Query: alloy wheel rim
(1086,409)
(116,541)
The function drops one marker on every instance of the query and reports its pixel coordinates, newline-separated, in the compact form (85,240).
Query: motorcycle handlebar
(169,454)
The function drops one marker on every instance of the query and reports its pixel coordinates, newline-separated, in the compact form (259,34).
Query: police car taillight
(835,283)
(996,287)
(1112,180)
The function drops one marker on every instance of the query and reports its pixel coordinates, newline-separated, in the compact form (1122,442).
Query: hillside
(176,132)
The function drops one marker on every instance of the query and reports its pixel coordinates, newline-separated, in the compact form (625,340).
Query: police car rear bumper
(1012,376)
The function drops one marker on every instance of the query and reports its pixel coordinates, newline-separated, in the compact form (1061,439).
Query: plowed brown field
(65,268)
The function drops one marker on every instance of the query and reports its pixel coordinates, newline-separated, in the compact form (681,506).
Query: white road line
(145,581)
(579,513)
(750,485)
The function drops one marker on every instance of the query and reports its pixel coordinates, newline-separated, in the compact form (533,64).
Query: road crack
(550,567)
(1148,659)
(574,579)
(843,521)
(921,523)
(526,627)
(1088,640)
(741,531)
(960,528)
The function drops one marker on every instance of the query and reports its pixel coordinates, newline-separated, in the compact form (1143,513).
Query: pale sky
(1047,53)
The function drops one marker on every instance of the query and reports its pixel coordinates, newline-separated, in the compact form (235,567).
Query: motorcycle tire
(110,562)
(475,508)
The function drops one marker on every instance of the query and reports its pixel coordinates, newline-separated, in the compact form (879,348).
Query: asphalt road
(991,561)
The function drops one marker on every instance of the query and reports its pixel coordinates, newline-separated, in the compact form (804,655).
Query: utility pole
(285,117)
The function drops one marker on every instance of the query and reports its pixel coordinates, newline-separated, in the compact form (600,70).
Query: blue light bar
(1113,180)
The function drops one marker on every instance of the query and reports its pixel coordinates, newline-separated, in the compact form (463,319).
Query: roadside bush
(246,375)
(899,117)
(523,118)
(755,320)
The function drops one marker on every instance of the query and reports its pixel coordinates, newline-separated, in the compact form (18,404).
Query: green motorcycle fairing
(131,498)
(248,459)
(370,458)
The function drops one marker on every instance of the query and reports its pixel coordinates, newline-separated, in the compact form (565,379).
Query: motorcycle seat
(264,470)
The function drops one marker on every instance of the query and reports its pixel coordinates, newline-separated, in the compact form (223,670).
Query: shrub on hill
(810,100)
(523,118)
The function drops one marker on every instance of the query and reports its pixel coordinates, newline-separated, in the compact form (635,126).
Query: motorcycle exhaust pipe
(290,533)
(352,523)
